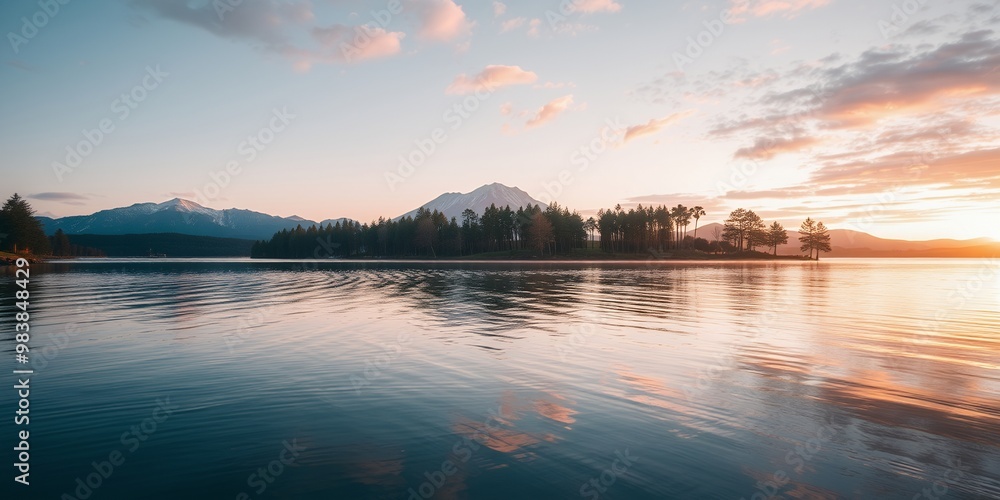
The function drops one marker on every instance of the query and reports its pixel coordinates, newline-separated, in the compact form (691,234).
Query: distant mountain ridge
(453,204)
(176,216)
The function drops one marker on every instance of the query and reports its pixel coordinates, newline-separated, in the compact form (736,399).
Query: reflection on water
(838,379)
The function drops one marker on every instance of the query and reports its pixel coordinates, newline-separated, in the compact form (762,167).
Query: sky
(880,116)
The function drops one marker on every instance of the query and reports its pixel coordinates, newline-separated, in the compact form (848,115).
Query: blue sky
(876,116)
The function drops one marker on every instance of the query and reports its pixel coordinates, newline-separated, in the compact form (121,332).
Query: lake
(228,379)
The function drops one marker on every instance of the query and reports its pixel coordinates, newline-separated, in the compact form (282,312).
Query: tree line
(530,229)
(746,231)
(431,234)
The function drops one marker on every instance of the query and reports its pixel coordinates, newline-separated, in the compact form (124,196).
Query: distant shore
(597,254)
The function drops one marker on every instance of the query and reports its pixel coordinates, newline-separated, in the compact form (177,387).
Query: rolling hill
(850,243)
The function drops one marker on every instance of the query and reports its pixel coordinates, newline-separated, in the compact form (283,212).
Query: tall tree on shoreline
(807,233)
(744,229)
(540,234)
(22,231)
(697,212)
(590,226)
(776,235)
(814,237)
(680,215)
(821,239)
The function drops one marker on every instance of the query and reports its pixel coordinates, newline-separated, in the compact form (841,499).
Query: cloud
(764,8)
(352,44)
(534,28)
(550,111)
(70,198)
(655,125)
(554,85)
(506,108)
(14,63)
(592,6)
(440,20)
(880,85)
(260,21)
(499,9)
(490,79)
(512,24)
(895,98)
(767,148)
(278,27)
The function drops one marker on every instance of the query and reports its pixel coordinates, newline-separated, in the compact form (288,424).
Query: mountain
(176,216)
(453,204)
(849,243)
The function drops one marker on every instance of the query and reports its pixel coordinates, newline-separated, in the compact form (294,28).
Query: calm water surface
(837,379)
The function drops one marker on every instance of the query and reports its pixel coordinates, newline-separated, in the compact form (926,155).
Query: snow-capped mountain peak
(453,204)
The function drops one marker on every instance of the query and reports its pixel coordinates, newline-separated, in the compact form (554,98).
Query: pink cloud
(359,43)
(653,126)
(764,8)
(550,111)
(491,78)
(534,25)
(592,6)
(440,20)
(512,24)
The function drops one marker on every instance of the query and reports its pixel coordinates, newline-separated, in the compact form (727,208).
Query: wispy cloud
(491,78)
(767,148)
(764,8)
(61,197)
(550,111)
(655,125)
